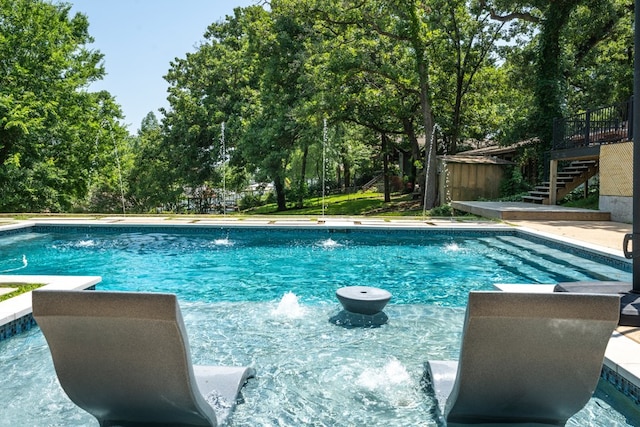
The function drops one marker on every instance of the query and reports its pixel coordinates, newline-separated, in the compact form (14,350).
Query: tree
(463,45)
(149,178)
(275,132)
(47,118)
(560,23)
(599,54)
(369,75)
(214,85)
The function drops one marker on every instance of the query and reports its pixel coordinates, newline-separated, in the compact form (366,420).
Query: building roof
(486,160)
(496,150)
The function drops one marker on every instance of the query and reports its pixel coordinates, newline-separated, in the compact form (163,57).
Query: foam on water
(452,247)
(25,264)
(223,242)
(86,243)
(392,383)
(289,307)
(329,244)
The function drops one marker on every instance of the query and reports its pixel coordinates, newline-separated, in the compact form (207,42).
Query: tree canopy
(49,122)
(304,94)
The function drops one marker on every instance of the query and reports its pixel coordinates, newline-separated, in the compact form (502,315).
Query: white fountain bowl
(363,299)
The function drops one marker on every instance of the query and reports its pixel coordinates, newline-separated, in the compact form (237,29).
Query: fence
(595,127)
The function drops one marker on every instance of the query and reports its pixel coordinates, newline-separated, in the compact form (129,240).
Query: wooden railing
(594,127)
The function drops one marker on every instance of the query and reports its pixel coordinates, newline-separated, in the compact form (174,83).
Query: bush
(513,183)
(442,210)
(250,201)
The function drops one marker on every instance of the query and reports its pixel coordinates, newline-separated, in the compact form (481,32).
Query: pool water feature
(257,302)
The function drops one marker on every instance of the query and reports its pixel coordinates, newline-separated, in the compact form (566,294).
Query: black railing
(595,127)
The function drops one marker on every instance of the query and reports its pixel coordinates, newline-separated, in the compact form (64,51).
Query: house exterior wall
(616,181)
(469,181)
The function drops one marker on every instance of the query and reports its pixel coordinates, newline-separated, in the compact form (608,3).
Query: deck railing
(595,127)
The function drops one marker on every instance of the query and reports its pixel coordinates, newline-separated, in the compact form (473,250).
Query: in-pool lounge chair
(124,358)
(526,359)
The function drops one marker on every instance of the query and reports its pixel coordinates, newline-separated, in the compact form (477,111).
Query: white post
(324,159)
(224,171)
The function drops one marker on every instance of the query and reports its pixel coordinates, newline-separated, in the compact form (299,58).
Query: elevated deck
(529,211)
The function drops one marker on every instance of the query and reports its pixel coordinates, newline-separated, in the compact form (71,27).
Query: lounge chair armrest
(221,385)
(440,376)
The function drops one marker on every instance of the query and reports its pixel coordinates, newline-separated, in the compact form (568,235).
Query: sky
(139,39)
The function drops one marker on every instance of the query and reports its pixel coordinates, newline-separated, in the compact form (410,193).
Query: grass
(21,288)
(358,204)
(590,202)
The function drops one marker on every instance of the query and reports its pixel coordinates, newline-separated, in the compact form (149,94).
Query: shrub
(250,201)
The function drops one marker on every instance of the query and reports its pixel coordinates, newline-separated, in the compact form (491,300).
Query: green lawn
(348,205)
(21,288)
(591,202)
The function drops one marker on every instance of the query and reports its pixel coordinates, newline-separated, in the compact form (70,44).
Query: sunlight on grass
(20,288)
(340,204)
(348,205)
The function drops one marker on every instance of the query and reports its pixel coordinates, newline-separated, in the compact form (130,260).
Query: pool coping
(621,365)
(16,313)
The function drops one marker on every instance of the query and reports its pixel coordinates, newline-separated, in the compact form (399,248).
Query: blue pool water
(234,284)
(235,265)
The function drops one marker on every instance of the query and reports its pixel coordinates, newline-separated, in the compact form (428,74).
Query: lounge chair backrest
(530,357)
(123,357)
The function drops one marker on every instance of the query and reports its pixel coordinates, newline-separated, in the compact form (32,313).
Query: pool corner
(15,313)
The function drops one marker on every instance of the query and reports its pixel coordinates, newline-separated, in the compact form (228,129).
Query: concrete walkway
(601,233)
(529,211)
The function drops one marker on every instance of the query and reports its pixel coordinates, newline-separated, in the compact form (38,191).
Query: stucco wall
(616,181)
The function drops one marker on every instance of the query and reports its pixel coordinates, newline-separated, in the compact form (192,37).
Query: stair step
(579,169)
(532,199)
(584,162)
(568,175)
(567,178)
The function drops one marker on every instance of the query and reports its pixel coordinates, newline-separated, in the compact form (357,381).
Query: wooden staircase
(569,178)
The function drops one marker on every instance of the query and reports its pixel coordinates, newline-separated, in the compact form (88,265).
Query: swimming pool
(231,283)
(241,264)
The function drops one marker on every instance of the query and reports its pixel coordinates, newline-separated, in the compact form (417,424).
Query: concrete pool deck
(623,352)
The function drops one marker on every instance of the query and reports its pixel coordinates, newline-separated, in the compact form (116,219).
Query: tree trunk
(303,173)
(457,113)
(419,50)
(385,169)
(278,183)
(409,130)
(346,174)
(430,146)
